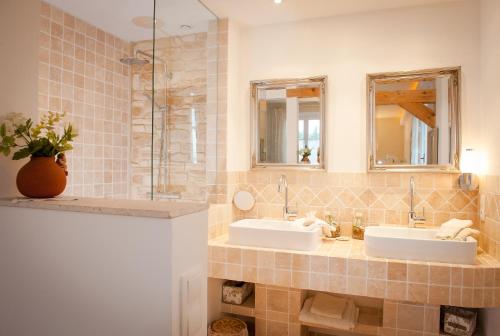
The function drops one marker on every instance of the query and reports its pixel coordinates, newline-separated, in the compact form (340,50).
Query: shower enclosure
(173,103)
(139,83)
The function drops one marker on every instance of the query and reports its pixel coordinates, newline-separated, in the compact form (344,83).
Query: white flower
(12,120)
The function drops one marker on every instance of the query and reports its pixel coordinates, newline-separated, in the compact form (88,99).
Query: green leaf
(6,151)
(21,154)
(3,131)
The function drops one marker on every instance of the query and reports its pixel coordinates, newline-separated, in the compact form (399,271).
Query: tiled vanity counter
(396,297)
(343,267)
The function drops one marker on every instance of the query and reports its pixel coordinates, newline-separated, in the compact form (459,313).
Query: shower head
(133,61)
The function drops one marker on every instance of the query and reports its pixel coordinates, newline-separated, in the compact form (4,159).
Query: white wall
(490,72)
(490,113)
(346,48)
(19,20)
(81,274)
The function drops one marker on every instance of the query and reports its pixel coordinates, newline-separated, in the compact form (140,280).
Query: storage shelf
(369,323)
(247,308)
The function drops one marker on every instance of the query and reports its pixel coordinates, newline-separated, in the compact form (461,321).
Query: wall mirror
(413,120)
(288,123)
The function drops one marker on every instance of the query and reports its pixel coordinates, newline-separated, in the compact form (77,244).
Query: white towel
(308,222)
(348,321)
(467,232)
(329,306)
(451,228)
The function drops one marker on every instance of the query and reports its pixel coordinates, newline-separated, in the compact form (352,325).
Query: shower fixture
(136,60)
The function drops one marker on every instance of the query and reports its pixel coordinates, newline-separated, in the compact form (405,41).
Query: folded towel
(467,232)
(329,306)
(347,322)
(451,228)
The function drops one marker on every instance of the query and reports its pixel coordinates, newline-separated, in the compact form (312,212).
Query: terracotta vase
(41,177)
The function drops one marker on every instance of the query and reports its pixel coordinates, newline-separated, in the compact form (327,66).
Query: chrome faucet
(413,219)
(283,187)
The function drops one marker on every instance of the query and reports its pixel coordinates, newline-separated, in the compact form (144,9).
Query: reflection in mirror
(288,122)
(414,120)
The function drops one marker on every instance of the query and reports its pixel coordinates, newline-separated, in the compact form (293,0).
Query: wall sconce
(469,165)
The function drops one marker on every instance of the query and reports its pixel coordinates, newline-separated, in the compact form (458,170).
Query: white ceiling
(115,16)
(261,12)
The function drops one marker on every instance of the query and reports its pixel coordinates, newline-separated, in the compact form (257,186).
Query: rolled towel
(467,232)
(329,306)
(451,228)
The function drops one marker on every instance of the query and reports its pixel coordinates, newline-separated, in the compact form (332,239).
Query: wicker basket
(228,327)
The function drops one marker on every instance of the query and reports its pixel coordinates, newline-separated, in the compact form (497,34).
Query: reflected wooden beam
(262,105)
(422,112)
(405,96)
(302,93)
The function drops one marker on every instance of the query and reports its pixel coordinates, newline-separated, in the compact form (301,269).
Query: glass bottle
(358,228)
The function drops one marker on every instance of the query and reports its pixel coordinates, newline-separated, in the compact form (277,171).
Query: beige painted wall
(390,138)
(490,70)
(490,113)
(346,48)
(18,71)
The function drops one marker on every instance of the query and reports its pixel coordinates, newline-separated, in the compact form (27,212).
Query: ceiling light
(186,27)
(278,1)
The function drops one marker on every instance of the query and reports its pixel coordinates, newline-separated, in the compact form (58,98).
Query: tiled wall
(218,191)
(181,83)
(80,74)
(277,310)
(490,227)
(219,217)
(383,198)
(403,318)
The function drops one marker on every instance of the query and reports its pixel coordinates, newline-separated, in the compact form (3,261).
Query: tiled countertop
(343,267)
(137,208)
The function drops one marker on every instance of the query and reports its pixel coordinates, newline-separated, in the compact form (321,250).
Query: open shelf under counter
(369,323)
(247,308)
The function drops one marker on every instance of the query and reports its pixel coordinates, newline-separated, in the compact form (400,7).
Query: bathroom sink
(417,244)
(274,234)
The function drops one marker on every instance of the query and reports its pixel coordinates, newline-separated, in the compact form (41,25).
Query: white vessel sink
(417,244)
(274,234)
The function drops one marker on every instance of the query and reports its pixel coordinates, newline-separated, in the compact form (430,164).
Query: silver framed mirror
(288,123)
(414,120)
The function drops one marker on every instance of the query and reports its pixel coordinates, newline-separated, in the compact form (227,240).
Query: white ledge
(136,208)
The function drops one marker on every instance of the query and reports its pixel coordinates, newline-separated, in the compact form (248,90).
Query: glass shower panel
(184,100)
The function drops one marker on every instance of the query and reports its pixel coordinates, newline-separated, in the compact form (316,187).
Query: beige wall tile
(396,290)
(397,271)
(376,288)
(439,294)
(440,275)
(357,267)
(418,292)
(277,300)
(283,260)
(319,264)
(376,269)
(249,257)
(418,273)
(410,317)
(301,262)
